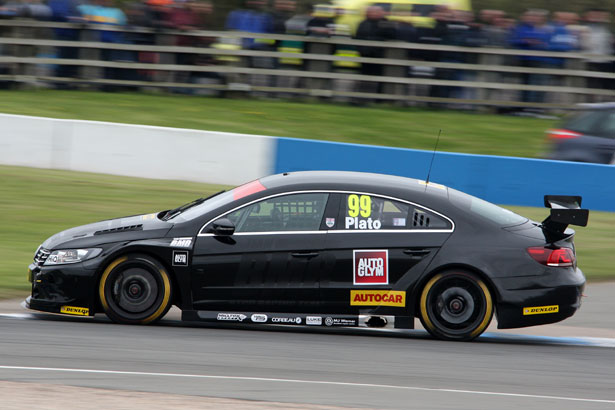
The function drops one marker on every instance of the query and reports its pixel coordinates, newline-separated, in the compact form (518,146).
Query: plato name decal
(371,267)
(180,258)
(362,224)
(181,242)
(73,310)
(540,310)
(394,298)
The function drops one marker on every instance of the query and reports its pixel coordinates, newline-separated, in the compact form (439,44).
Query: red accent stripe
(247,189)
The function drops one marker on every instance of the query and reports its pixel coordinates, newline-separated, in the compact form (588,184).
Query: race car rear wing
(565,210)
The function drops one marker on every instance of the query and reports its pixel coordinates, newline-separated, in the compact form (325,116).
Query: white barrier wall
(134,150)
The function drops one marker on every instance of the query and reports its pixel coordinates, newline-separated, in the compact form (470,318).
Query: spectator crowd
(535,30)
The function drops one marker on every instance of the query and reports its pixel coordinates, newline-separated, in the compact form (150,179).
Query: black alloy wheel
(456,305)
(135,289)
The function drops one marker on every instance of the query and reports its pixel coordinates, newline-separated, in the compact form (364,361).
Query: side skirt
(299,319)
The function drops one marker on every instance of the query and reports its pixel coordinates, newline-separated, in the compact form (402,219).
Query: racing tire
(135,289)
(456,305)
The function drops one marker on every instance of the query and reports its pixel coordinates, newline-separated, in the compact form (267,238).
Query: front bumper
(67,289)
(529,302)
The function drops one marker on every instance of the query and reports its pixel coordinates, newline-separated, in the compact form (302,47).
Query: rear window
(588,122)
(484,209)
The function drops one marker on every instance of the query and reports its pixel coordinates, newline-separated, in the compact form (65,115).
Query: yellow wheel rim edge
(103,279)
(165,299)
(424,294)
(488,311)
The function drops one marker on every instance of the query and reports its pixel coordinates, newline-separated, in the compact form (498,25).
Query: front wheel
(456,305)
(135,289)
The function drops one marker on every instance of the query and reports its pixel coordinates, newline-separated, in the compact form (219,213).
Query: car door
(379,244)
(272,261)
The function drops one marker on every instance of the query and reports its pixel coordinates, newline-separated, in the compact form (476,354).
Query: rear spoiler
(565,210)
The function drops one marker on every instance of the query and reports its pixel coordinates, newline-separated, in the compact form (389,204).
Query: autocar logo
(258,318)
(232,317)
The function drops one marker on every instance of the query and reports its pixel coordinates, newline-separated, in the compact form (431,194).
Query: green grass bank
(378,125)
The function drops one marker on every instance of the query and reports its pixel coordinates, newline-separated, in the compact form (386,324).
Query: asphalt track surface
(342,367)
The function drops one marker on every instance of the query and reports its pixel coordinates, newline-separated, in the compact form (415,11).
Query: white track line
(320,382)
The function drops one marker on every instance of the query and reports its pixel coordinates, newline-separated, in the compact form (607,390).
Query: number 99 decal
(359,213)
(359,205)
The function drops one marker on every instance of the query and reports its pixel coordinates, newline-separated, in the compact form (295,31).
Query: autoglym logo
(395,298)
(371,267)
(540,310)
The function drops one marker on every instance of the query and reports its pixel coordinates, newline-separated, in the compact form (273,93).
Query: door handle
(304,254)
(416,252)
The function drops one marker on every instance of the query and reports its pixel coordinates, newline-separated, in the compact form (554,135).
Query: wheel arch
(420,284)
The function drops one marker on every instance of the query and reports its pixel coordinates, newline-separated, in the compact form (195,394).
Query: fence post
(576,81)
(22,69)
(90,73)
(395,71)
(165,39)
(318,66)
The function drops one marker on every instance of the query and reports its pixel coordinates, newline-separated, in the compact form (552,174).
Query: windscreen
(219,200)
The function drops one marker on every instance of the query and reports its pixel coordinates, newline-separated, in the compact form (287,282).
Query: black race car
(322,249)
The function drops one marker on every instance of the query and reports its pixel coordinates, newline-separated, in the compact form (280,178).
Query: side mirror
(223,227)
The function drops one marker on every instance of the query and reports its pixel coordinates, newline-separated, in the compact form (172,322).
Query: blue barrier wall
(502,180)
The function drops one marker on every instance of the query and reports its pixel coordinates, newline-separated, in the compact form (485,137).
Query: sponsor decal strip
(279,318)
(540,310)
(395,298)
(298,381)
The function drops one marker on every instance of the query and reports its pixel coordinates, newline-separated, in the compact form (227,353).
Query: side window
(369,212)
(297,212)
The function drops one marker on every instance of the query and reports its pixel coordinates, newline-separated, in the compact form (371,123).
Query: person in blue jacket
(533,33)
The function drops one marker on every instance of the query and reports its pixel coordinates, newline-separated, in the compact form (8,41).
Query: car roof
(377,183)
(598,106)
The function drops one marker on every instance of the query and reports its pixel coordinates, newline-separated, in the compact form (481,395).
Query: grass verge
(378,125)
(36,203)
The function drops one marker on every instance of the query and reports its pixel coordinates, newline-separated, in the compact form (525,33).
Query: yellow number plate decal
(395,298)
(540,310)
(72,310)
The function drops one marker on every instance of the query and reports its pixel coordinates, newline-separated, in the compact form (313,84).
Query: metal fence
(34,53)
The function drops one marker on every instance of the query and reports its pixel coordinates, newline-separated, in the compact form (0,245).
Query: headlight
(71,256)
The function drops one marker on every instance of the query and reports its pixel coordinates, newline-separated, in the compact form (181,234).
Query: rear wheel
(456,305)
(135,289)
